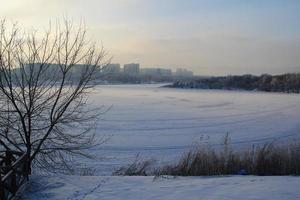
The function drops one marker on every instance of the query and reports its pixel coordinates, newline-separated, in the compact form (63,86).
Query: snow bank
(148,188)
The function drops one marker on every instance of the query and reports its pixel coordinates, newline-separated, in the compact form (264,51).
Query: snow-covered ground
(162,123)
(143,188)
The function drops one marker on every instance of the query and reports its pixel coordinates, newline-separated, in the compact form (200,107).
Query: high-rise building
(111,68)
(132,68)
(183,72)
(156,72)
(166,72)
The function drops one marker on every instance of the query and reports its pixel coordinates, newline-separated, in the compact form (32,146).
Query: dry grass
(264,160)
(137,168)
(203,160)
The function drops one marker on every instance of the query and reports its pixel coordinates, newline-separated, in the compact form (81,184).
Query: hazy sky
(207,36)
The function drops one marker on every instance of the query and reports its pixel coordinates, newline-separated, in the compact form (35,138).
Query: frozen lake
(163,123)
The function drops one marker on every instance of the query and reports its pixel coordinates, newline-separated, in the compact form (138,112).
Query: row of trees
(269,83)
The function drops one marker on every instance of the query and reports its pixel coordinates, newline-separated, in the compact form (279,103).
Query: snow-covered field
(144,188)
(162,123)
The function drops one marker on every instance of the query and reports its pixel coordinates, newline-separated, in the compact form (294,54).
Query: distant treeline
(265,82)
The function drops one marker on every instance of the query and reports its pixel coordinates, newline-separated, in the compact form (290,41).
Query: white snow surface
(163,123)
(168,188)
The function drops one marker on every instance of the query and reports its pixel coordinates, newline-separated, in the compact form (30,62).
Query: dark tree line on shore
(279,83)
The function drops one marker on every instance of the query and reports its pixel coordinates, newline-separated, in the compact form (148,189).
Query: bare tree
(44,81)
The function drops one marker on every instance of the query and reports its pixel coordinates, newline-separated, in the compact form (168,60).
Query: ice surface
(148,188)
(163,123)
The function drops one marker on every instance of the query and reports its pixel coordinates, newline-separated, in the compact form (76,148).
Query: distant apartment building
(112,69)
(183,72)
(132,68)
(166,72)
(156,72)
(53,70)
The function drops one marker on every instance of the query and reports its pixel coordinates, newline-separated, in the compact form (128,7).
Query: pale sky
(210,37)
